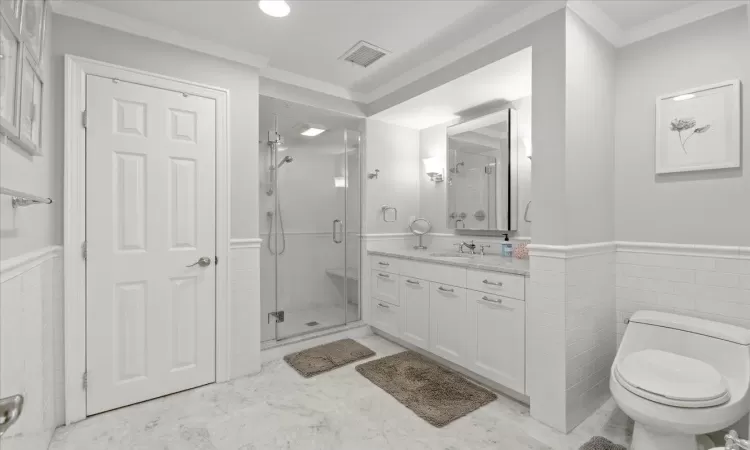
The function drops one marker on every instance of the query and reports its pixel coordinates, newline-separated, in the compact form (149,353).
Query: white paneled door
(150,217)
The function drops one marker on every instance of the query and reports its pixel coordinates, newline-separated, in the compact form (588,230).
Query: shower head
(287,159)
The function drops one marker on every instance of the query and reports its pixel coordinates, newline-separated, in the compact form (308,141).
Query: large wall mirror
(483,173)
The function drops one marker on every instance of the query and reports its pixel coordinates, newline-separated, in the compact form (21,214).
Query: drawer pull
(444,289)
(412,282)
(383,263)
(384,306)
(382,275)
(487,299)
(492,283)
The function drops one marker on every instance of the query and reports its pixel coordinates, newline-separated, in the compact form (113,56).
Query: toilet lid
(672,379)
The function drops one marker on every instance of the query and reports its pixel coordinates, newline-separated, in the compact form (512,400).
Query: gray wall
(25,230)
(589,135)
(75,37)
(708,207)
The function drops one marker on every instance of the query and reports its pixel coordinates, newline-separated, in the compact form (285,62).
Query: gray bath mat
(600,443)
(323,358)
(434,393)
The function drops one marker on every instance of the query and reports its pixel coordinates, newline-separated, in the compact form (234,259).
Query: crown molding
(598,20)
(302,81)
(100,16)
(505,27)
(601,22)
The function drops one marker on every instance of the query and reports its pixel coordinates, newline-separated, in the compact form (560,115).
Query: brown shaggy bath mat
(600,443)
(434,393)
(323,358)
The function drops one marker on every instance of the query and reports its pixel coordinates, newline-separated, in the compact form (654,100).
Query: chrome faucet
(471,247)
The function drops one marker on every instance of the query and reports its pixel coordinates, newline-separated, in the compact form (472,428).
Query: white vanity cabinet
(447,319)
(415,305)
(496,339)
(470,317)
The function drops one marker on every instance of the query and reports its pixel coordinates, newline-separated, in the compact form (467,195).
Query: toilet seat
(672,379)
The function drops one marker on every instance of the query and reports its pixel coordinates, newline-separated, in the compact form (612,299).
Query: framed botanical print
(33,15)
(32,91)
(699,129)
(10,54)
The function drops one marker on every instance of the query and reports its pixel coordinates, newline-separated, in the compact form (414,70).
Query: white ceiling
(502,81)
(303,48)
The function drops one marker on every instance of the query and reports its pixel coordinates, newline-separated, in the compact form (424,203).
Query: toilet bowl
(678,377)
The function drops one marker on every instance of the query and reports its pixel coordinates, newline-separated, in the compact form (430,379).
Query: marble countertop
(493,263)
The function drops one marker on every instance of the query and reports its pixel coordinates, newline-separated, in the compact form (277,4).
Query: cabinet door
(447,321)
(415,302)
(496,339)
(10,56)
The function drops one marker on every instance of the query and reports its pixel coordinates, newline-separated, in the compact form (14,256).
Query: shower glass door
(309,200)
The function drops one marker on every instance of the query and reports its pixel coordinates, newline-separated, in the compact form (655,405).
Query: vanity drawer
(385,317)
(496,283)
(385,264)
(451,275)
(384,286)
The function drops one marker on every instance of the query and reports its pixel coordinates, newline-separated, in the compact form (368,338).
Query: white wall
(76,37)
(28,229)
(394,150)
(589,134)
(708,207)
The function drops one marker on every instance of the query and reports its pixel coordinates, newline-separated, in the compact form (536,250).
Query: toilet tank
(725,347)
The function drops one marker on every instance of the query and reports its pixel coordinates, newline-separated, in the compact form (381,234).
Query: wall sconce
(434,168)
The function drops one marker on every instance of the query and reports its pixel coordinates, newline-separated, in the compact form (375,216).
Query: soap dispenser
(506,249)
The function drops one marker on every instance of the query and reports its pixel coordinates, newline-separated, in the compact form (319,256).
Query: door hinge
(85,380)
(85,119)
(279,315)
(216,260)
(84,250)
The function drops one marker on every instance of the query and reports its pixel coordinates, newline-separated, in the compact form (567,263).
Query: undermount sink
(451,255)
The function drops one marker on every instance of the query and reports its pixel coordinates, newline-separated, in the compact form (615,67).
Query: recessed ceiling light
(680,98)
(274,8)
(312,131)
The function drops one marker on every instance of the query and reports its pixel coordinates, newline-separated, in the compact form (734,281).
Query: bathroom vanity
(467,309)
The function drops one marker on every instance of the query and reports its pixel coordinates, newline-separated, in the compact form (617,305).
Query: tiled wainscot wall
(31,345)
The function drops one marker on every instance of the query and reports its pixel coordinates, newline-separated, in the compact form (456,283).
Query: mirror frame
(509,220)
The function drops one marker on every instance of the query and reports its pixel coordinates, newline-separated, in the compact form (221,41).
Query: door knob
(203,262)
(10,410)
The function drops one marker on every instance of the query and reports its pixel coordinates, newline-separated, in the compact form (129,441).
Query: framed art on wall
(699,129)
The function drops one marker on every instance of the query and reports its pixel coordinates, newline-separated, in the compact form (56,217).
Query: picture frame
(699,129)
(31,87)
(10,64)
(33,27)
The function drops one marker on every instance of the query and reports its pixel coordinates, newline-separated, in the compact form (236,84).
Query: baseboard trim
(12,267)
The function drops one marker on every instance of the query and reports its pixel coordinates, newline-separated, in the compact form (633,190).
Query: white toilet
(678,377)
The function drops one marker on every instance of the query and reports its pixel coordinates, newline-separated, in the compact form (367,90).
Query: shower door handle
(334,231)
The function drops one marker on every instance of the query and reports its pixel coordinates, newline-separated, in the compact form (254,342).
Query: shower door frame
(274,229)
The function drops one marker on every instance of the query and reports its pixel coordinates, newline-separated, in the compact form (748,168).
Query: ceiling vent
(364,54)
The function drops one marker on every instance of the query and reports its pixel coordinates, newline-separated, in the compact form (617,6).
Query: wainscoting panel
(31,345)
(244,306)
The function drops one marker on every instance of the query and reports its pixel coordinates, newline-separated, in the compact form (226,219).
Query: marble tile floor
(278,409)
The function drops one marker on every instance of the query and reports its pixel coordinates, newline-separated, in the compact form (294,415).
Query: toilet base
(645,438)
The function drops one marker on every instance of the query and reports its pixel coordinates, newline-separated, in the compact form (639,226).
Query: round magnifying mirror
(420,227)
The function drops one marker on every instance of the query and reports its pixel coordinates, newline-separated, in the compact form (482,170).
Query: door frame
(74,215)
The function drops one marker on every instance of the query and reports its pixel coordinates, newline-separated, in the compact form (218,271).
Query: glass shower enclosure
(309,201)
